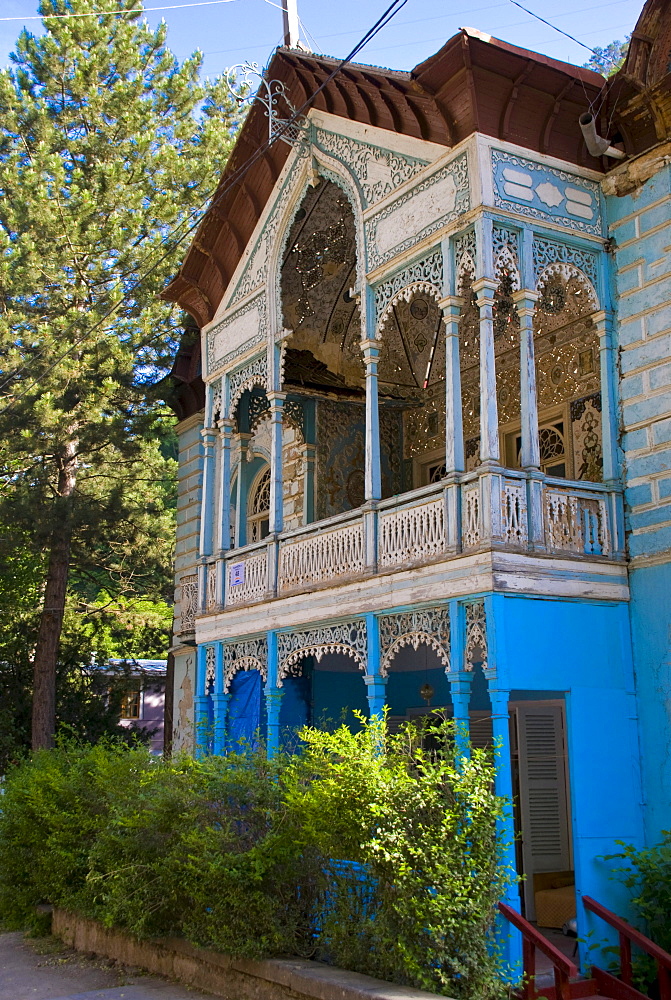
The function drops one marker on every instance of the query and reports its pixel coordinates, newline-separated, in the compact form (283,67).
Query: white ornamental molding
(254,373)
(435,202)
(220,334)
(348,638)
(428,626)
(423,277)
(378,171)
(476,635)
(245,654)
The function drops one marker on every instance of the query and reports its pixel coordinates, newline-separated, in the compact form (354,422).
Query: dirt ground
(44,969)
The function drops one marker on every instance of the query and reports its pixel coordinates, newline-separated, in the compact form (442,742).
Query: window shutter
(543,793)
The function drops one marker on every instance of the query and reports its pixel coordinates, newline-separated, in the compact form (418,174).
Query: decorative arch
(254,373)
(428,626)
(246,654)
(562,274)
(348,638)
(405,295)
(331,169)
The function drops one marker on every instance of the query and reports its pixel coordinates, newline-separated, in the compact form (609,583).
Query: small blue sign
(237,574)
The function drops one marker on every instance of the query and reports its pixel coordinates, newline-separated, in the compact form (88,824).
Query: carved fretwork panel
(209,669)
(424,425)
(344,637)
(586,431)
(430,626)
(246,654)
(318,271)
(476,635)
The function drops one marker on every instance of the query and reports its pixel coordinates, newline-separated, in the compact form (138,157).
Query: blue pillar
(376,684)
(273,696)
(221,700)
(459,680)
(499,695)
(200,717)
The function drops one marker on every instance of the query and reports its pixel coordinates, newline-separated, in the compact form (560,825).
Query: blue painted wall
(583,648)
(639,224)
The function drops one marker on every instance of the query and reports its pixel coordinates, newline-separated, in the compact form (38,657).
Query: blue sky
(240,30)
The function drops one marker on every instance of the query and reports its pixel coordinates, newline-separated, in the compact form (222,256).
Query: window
(131,701)
(553,450)
(258,519)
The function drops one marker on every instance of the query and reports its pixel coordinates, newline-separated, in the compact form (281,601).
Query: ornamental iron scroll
(476,635)
(254,373)
(270,94)
(210,660)
(425,275)
(547,252)
(348,638)
(245,654)
(430,626)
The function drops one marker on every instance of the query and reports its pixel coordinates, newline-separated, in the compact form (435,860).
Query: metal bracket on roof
(246,84)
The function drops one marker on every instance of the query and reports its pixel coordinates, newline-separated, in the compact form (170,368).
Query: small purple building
(143,703)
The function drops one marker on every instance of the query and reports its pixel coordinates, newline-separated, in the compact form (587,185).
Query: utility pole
(290,19)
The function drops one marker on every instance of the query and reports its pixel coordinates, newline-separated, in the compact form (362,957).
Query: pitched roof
(473,83)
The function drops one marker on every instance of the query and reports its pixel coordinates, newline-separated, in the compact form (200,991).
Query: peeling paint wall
(640,224)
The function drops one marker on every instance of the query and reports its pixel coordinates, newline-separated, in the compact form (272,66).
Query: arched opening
(258,507)
(417,686)
(324,693)
(323,362)
(411,375)
(246,720)
(568,381)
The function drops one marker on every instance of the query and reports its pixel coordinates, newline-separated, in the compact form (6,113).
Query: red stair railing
(629,935)
(564,968)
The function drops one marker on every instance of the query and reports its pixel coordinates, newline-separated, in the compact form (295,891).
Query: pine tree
(108,146)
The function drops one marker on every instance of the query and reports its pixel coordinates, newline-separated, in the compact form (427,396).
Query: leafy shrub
(418,904)
(53,809)
(648,874)
(365,849)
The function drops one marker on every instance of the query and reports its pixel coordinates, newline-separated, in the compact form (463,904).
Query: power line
(385,18)
(539,18)
(107,13)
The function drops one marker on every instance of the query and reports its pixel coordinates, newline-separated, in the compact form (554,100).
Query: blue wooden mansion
(425,426)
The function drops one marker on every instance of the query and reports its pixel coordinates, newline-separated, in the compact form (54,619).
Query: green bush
(53,809)
(648,874)
(364,849)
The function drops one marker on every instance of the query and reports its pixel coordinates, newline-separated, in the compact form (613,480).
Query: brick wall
(640,223)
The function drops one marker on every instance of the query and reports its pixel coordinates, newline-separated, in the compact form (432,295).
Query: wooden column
(276,400)
(221,700)
(603,321)
(200,717)
(273,696)
(373,484)
(376,684)
(226,427)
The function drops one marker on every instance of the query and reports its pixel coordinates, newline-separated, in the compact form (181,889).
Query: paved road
(43,969)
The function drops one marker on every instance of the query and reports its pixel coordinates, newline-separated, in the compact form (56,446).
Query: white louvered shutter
(546,843)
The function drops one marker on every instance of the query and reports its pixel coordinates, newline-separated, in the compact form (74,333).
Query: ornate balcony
(504,509)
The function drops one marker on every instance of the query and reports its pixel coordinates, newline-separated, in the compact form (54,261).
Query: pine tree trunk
(55,592)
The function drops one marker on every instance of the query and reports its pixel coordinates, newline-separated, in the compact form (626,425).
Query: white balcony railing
(494,508)
(308,558)
(413,533)
(247,575)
